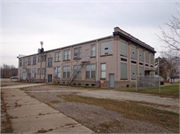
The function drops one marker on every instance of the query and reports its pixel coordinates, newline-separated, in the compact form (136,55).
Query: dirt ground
(94,117)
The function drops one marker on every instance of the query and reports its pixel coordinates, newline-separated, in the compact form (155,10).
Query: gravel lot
(97,118)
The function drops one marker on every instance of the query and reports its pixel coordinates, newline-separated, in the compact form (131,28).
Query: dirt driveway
(100,119)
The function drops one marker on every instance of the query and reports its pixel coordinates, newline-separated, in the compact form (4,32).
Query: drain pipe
(97,63)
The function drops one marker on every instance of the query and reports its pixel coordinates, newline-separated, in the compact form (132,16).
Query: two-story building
(113,61)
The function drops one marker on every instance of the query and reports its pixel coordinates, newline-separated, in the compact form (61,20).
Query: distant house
(112,61)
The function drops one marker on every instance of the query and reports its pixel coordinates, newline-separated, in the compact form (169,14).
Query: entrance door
(49,78)
(87,54)
(111,80)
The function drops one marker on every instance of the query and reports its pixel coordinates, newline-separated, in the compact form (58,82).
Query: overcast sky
(61,23)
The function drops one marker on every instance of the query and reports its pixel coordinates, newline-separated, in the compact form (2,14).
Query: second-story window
(24,62)
(57,56)
(133,53)
(106,48)
(67,55)
(147,57)
(49,62)
(77,52)
(93,51)
(29,61)
(123,49)
(141,56)
(34,60)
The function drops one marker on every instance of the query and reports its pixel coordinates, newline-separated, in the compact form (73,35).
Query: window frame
(93,51)
(67,55)
(57,56)
(78,51)
(124,71)
(66,71)
(50,60)
(103,71)
(121,51)
(91,71)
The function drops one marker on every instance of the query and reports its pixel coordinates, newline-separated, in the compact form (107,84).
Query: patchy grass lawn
(168,91)
(132,110)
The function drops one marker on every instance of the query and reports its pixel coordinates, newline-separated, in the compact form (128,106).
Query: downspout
(97,63)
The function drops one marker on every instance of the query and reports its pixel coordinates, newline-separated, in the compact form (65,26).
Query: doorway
(111,80)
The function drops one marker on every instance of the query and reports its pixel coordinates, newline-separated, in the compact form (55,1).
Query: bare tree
(171,36)
(170,63)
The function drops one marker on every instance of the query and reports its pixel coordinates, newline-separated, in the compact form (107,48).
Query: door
(49,78)
(111,80)
(24,74)
(87,54)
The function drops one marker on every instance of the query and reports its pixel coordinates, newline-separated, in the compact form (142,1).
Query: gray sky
(61,23)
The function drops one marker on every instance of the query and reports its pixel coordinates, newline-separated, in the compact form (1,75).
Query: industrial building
(113,61)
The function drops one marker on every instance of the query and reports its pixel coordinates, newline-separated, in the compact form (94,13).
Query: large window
(49,62)
(66,71)
(39,70)
(103,71)
(29,73)
(29,61)
(133,53)
(123,71)
(93,50)
(43,71)
(152,58)
(24,62)
(90,71)
(141,71)
(141,56)
(34,73)
(106,48)
(57,72)
(77,71)
(77,52)
(57,56)
(20,62)
(34,60)
(147,57)
(133,72)
(67,55)
(123,49)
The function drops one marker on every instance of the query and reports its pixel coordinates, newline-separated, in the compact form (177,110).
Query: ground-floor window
(103,70)
(90,71)
(57,72)
(66,71)
(141,71)
(77,71)
(133,72)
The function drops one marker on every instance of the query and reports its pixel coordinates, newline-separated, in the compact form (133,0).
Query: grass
(169,120)
(168,91)
(55,101)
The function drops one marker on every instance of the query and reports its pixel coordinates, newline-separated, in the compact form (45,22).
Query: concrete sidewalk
(22,86)
(28,115)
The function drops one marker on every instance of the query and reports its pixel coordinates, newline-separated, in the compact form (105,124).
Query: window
(20,62)
(123,49)
(93,51)
(41,57)
(24,62)
(39,71)
(66,72)
(77,71)
(103,70)
(90,71)
(141,72)
(67,55)
(77,52)
(106,48)
(141,56)
(57,56)
(57,72)
(29,61)
(43,71)
(29,73)
(34,60)
(133,72)
(123,71)
(147,57)
(34,73)
(133,53)
(49,62)
(152,58)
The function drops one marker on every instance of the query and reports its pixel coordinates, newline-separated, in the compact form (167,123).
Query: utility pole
(159,76)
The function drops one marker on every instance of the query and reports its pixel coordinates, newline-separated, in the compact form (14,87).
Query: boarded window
(123,49)
(103,70)
(90,71)
(133,72)
(133,53)
(77,52)
(147,57)
(106,48)
(141,56)
(141,71)
(123,71)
